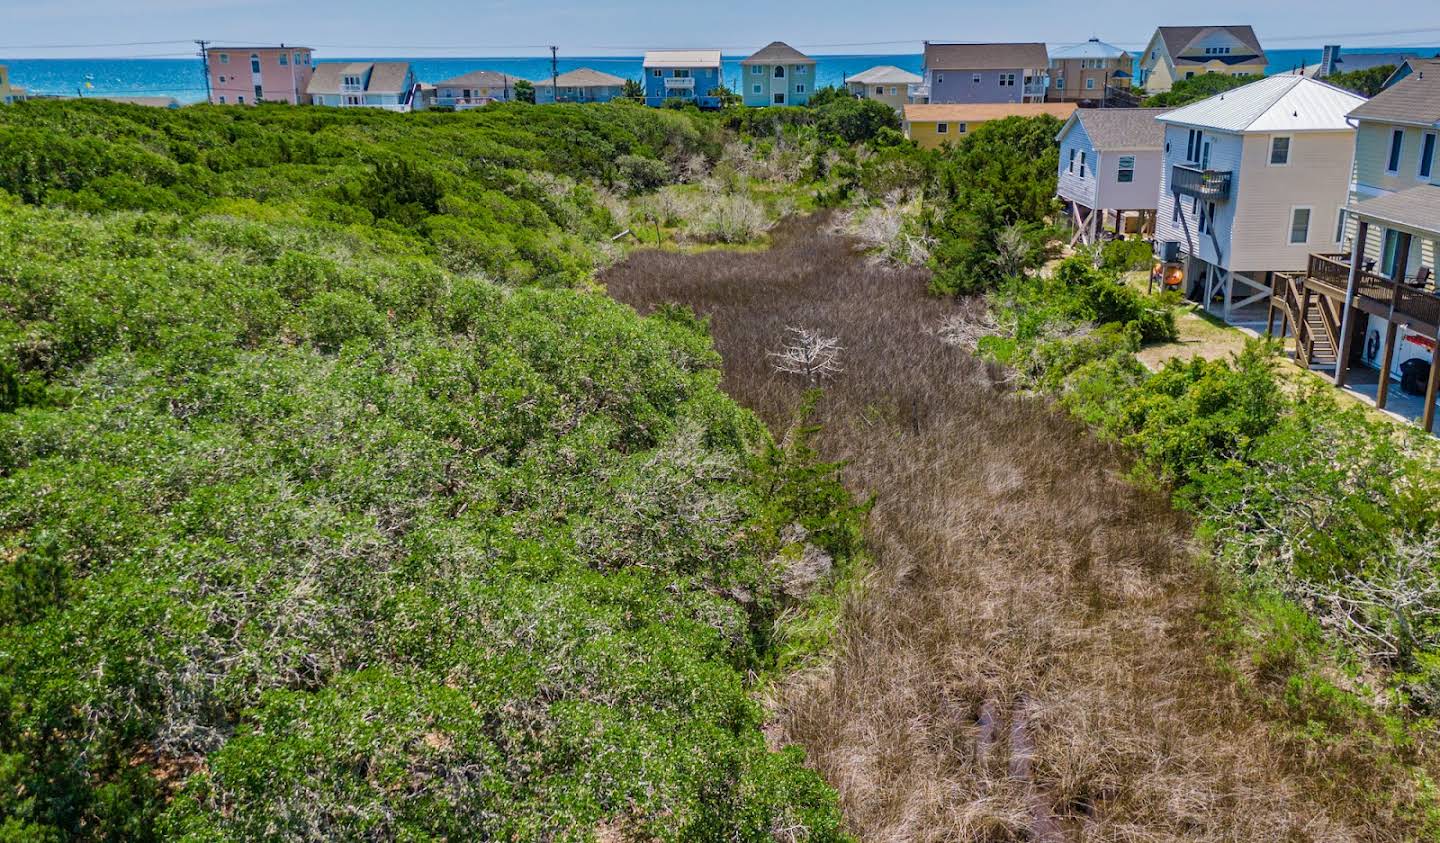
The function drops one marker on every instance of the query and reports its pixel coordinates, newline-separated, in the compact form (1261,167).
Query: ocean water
(184,80)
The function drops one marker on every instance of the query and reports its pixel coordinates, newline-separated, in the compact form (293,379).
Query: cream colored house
(886,83)
(1252,181)
(1182,52)
(9,93)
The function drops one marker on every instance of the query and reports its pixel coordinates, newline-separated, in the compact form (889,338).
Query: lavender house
(975,73)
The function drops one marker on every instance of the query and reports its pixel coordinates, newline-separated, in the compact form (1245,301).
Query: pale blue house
(579,85)
(688,75)
(778,74)
(388,85)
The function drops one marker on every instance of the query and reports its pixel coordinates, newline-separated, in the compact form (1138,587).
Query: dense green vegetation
(334,505)
(1366,83)
(1196,88)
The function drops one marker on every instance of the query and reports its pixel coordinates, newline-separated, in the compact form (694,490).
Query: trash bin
(1414,374)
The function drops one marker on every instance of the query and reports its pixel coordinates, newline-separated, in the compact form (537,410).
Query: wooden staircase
(1311,317)
(1321,342)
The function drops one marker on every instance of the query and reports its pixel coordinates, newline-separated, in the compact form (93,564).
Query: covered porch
(1352,313)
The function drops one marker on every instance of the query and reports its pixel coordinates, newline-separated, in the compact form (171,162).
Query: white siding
(1072,186)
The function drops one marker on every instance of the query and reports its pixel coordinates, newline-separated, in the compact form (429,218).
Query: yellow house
(1182,52)
(886,83)
(8,92)
(934,125)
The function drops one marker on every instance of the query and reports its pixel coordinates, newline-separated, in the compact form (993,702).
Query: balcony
(1212,185)
(1416,300)
(680,82)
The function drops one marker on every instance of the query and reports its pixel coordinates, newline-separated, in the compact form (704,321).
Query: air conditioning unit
(1167,251)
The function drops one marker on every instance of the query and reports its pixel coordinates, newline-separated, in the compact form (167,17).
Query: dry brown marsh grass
(1027,660)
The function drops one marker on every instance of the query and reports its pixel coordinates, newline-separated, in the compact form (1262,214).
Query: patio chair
(1422,278)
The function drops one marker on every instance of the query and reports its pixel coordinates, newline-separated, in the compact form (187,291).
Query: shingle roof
(885,74)
(583,77)
(682,58)
(1414,100)
(1273,104)
(1416,207)
(386,77)
(1092,49)
(1121,128)
(478,78)
(982,111)
(778,52)
(986,56)
(1177,38)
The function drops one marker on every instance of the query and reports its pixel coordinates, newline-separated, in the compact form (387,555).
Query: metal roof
(682,58)
(778,52)
(1092,49)
(1272,104)
(885,74)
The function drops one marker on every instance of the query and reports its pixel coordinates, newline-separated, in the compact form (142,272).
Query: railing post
(1342,349)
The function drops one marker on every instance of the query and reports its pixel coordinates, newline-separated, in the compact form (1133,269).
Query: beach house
(777,74)
(1183,52)
(1110,160)
(249,75)
(9,93)
(688,75)
(388,85)
(474,89)
(1371,309)
(580,85)
(1092,73)
(885,83)
(1251,182)
(973,73)
(934,125)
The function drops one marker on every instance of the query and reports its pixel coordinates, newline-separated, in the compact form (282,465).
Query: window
(1089,84)
(755,89)
(1189,74)
(1060,82)
(1427,155)
(879,91)
(1082,165)
(1279,151)
(1192,146)
(799,87)
(254,63)
(284,60)
(801,69)
(657,73)
(681,74)
(222,80)
(975,80)
(757,70)
(1217,51)
(779,71)
(258,94)
(1126,172)
(1340,228)
(222,99)
(1397,143)
(1007,80)
(942,128)
(301,58)
(961,128)
(240,99)
(1300,225)
(224,58)
(894,90)
(1071,167)
(1390,252)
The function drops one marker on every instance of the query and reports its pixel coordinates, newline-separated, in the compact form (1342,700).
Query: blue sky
(36,28)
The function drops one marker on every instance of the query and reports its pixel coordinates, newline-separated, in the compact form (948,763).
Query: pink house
(247,75)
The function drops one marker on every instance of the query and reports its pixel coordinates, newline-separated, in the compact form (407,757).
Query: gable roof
(1092,49)
(1119,128)
(1273,104)
(778,52)
(885,74)
(480,78)
(1178,38)
(1414,100)
(1415,207)
(979,112)
(385,77)
(583,77)
(985,56)
(682,58)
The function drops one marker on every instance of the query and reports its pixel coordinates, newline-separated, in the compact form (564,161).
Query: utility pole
(507,87)
(205,65)
(554,75)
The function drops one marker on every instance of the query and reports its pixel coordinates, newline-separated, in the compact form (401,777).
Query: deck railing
(1205,184)
(1419,303)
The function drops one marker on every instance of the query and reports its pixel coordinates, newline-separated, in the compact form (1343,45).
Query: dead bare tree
(1012,251)
(809,353)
